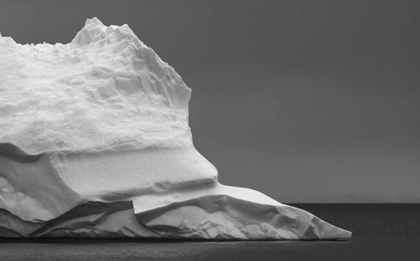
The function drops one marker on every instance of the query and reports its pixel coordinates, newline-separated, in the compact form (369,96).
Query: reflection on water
(367,249)
(157,251)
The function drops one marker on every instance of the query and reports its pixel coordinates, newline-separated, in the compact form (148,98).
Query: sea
(380,232)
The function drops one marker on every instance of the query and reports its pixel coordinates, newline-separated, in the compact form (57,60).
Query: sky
(306,101)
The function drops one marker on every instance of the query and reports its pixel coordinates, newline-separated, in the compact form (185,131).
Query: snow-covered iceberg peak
(95,142)
(106,90)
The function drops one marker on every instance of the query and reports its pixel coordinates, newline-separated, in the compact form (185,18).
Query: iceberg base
(215,213)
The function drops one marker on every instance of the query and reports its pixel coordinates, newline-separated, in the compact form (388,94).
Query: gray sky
(306,101)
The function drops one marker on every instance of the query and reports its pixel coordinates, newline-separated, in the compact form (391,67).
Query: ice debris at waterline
(95,142)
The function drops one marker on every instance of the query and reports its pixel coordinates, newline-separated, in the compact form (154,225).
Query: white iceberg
(95,142)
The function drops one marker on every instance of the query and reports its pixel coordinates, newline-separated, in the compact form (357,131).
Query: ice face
(106,90)
(95,142)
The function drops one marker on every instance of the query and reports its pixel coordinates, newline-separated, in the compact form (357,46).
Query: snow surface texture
(95,142)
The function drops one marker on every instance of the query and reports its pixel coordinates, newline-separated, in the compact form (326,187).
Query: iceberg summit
(95,143)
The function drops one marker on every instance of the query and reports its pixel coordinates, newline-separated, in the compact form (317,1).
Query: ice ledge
(214,213)
(230,213)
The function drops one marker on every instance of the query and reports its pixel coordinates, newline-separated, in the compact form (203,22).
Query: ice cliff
(95,142)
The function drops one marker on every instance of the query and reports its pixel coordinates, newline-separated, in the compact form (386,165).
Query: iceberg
(95,143)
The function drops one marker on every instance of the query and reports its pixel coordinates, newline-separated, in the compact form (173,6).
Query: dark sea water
(380,232)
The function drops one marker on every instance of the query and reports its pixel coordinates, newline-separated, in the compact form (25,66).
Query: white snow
(104,91)
(95,142)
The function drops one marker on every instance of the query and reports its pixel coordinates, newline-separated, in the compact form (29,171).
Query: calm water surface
(381,232)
